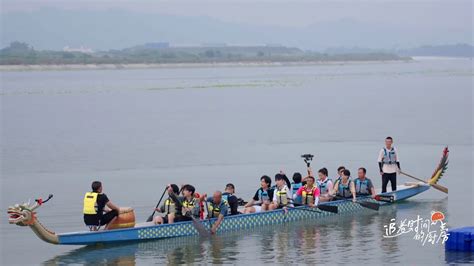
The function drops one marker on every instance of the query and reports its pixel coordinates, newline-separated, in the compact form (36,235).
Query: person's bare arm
(310,171)
(334,190)
(250,203)
(353,191)
(372,191)
(112,206)
(216,225)
(330,187)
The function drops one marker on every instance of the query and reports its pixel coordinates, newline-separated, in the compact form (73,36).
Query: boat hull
(230,223)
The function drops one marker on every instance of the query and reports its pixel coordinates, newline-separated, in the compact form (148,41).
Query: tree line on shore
(19,53)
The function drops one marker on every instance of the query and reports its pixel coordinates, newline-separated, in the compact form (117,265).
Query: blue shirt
(223,208)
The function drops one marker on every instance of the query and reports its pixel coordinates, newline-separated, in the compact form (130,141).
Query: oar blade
(200,228)
(150,218)
(328,208)
(370,205)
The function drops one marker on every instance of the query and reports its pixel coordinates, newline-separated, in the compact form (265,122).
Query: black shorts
(165,219)
(107,217)
(180,218)
(96,220)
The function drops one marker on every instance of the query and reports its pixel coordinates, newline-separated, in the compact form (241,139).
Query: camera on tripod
(307,157)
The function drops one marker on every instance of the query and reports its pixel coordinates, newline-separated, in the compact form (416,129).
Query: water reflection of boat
(183,250)
(25,215)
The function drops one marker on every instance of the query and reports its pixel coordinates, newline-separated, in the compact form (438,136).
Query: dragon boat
(26,215)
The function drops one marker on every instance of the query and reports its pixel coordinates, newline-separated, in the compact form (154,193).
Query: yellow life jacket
(90,203)
(189,204)
(308,197)
(214,210)
(282,199)
(170,206)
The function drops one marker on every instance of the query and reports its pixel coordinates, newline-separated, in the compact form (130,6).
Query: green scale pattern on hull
(234,223)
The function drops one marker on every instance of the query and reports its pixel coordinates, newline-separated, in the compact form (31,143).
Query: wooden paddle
(369,205)
(208,214)
(150,218)
(328,208)
(436,186)
(200,227)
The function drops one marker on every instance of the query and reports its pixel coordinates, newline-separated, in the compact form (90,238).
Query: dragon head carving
(22,214)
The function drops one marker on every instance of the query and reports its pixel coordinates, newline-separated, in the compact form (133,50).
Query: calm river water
(137,130)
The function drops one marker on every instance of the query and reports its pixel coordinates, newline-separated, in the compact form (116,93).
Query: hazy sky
(433,21)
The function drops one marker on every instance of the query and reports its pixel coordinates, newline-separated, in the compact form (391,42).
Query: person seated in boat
(262,198)
(344,188)
(363,185)
(295,185)
(309,193)
(98,209)
(231,199)
(168,207)
(325,185)
(282,195)
(340,169)
(217,208)
(186,205)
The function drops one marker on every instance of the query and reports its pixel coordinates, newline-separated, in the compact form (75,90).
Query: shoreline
(58,67)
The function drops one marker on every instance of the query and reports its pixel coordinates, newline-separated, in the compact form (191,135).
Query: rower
(95,214)
(282,195)
(218,208)
(324,184)
(168,207)
(295,185)
(344,188)
(340,169)
(188,205)
(261,201)
(231,199)
(363,185)
(309,193)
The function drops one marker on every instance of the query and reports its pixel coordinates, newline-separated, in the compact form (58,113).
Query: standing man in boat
(264,195)
(363,185)
(218,208)
(95,214)
(389,165)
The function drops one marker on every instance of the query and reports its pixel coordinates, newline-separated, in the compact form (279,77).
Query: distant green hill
(23,54)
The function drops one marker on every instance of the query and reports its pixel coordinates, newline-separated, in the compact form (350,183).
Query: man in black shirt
(263,197)
(94,204)
(231,199)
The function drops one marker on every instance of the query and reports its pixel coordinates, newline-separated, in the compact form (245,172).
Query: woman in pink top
(309,193)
